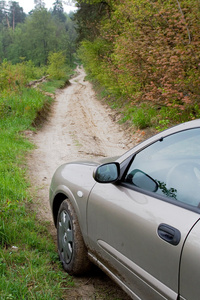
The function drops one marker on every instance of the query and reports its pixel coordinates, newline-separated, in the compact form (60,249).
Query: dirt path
(78,127)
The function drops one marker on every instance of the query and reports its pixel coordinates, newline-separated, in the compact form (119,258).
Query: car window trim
(160,197)
(125,165)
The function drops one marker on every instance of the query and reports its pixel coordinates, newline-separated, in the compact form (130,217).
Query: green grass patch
(29,266)
(140,116)
(148,115)
(145,115)
(51,86)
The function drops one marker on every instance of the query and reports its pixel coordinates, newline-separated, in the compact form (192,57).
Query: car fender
(73,181)
(79,204)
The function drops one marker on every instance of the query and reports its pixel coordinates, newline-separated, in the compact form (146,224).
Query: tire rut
(78,127)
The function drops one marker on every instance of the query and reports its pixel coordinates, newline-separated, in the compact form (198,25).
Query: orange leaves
(148,55)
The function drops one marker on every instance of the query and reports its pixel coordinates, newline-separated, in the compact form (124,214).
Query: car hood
(75,178)
(109,159)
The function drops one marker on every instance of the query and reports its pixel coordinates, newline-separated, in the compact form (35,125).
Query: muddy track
(78,127)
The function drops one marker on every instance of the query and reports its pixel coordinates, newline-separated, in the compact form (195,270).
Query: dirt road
(79,127)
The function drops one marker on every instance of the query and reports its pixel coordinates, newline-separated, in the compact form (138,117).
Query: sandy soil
(78,127)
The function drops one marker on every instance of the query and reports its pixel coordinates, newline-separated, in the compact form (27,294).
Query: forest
(144,56)
(33,36)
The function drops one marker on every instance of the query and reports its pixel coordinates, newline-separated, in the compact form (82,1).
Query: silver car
(135,216)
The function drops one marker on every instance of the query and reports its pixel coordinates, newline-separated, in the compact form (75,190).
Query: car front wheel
(71,247)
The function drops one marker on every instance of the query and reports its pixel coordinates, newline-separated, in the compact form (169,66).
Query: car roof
(160,135)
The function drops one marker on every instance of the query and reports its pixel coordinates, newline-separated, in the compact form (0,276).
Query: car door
(138,226)
(190,265)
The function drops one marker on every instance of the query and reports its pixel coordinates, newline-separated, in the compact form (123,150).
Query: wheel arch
(80,206)
(58,199)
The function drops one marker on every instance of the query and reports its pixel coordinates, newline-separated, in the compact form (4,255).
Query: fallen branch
(35,82)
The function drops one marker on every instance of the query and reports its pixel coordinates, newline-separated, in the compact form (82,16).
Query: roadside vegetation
(34,46)
(146,56)
(29,267)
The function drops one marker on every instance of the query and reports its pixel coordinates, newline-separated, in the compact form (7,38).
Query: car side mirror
(142,180)
(107,173)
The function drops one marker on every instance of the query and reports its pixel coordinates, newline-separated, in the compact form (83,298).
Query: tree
(4,14)
(44,34)
(56,65)
(16,48)
(149,49)
(34,36)
(89,17)
(11,14)
(16,14)
(71,35)
(39,4)
(58,11)
(40,36)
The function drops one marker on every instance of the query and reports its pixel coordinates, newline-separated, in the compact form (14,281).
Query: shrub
(56,65)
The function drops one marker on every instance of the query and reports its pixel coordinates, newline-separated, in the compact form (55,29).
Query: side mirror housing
(142,180)
(107,173)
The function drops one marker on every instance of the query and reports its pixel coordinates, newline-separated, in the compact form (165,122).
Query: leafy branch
(181,11)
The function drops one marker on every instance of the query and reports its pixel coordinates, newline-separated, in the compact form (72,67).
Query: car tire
(71,248)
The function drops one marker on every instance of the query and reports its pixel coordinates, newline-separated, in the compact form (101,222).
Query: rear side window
(170,167)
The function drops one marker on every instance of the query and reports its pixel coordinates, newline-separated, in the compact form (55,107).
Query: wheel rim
(65,235)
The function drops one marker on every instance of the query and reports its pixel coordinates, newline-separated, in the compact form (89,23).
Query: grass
(53,84)
(146,114)
(29,266)
(50,86)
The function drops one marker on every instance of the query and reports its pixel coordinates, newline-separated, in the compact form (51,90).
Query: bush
(56,65)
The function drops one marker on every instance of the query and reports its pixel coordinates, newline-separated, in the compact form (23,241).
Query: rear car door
(139,225)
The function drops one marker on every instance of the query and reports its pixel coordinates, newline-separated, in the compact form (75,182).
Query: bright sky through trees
(28,5)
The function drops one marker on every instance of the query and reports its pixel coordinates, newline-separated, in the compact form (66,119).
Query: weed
(163,124)
(51,86)
(141,116)
(29,267)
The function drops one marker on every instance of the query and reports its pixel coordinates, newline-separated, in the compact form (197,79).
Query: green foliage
(24,104)
(27,271)
(29,267)
(89,16)
(160,117)
(92,54)
(148,52)
(58,11)
(141,116)
(16,14)
(11,14)
(14,77)
(40,36)
(50,86)
(34,37)
(57,65)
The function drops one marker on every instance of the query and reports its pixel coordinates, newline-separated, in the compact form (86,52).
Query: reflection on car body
(137,217)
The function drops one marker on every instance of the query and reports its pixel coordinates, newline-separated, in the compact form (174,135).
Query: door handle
(169,234)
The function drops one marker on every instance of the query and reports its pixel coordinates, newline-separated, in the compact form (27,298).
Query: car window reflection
(173,164)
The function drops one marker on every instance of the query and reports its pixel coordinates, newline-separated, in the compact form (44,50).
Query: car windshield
(172,167)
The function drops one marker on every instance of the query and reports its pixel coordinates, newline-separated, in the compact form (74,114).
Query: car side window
(169,167)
